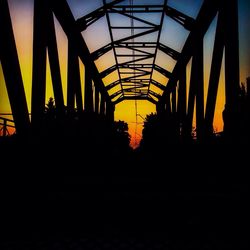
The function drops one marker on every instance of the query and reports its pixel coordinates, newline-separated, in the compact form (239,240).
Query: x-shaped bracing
(135,58)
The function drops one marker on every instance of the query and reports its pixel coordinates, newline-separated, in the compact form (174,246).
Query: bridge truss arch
(135,64)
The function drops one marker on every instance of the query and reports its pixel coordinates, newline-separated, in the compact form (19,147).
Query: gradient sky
(97,35)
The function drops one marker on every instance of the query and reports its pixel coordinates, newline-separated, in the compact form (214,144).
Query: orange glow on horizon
(125,111)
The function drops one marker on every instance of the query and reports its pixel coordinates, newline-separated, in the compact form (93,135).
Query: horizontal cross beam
(94,16)
(158,85)
(137,9)
(162,71)
(186,21)
(137,44)
(140,98)
(129,55)
(116,94)
(169,51)
(136,66)
(129,27)
(87,20)
(151,92)
(100,52)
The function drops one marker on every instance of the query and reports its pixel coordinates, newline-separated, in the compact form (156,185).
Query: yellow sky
(22,23)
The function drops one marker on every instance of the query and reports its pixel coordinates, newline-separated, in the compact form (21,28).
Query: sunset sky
(97,35)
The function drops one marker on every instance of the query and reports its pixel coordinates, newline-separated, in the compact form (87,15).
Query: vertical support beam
(230,9)
(12,71)
(105,108)
(248,91)
(66,19)
(214,75)
(110,111)
(72,64)
(182,97)
(199,82)
(5,131)
(191,99)
(196,91)
(54,65)
(102,105)
(168,104)
(78,88)
(107,111)
(88,91)
(160,108)
(97,100)
(39,62)
(44,37)
(74,90)
(174,101)
(248,110)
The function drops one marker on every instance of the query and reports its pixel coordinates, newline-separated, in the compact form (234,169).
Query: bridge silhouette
(135,63)
(106,197)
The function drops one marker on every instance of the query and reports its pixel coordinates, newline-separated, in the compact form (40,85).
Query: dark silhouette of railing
(6,123)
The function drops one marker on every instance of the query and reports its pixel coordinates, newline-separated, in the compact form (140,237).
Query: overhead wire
(133,58)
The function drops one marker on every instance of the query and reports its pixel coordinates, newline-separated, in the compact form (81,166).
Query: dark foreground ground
(173,198)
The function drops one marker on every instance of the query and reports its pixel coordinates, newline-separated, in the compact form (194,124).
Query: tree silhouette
(121,136)
(91,130)
(50,108)
(49,122)
(159,130)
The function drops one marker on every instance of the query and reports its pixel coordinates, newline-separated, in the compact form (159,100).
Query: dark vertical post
(88,91)
(199,82)
(54,64)
(73,65)
(168,103)
(39,61)
(191,100)
(102,105)
(248,110)
(78,88)
(230,10)
(110,111)
(196,91)
(248,91)
(160,108)
(105,108)
(5,131)
(174,101)
(74,89)
(96,100)
(214,75)
(182,97)
(12,71)
(112,115)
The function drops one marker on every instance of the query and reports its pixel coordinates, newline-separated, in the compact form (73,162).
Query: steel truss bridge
(135,62)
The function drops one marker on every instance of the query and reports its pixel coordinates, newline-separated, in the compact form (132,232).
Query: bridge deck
(164,206)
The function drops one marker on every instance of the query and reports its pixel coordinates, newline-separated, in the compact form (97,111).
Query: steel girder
(137,53)
(139,68)
(12,72)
